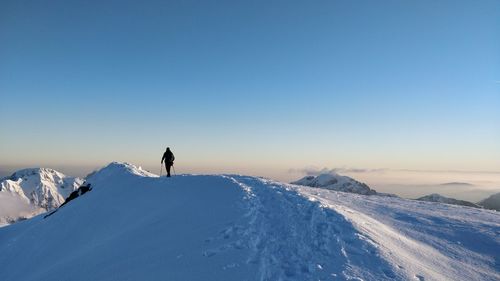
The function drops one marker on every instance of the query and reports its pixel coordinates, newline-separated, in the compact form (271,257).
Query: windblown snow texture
(137,226)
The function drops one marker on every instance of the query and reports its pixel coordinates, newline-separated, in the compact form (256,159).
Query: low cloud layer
(312,171)
(457,184)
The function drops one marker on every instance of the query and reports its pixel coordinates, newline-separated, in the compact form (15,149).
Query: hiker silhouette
(169,158)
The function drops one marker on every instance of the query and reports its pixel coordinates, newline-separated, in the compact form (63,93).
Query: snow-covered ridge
(442,199)
(334,181)
(246,228)
(32,191)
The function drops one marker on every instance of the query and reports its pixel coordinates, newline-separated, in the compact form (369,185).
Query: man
(169,158)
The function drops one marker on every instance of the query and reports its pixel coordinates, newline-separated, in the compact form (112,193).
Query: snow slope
(334,181)
(427,241)
(136,226)
(442,199)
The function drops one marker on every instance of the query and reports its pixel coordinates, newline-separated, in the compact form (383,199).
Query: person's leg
(168,170)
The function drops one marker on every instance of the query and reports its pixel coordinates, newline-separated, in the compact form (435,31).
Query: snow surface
(134,225)
(425,240)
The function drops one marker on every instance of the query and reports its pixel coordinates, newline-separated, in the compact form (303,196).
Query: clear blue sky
(256,87)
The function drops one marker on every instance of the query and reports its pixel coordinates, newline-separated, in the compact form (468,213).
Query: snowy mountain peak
(117,169)
(40,173)
(42,187)
(442,199)
(126,167)
(334,181)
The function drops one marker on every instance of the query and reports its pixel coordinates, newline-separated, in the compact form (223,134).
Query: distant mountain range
(442,199)
(32,191)
(334,181)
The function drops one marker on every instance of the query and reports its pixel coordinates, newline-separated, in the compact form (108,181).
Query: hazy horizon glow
(472,185)
(253,87)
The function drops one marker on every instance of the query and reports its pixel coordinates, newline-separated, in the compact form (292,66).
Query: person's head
(168,149)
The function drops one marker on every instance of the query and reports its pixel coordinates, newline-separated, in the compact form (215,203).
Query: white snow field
(134,225)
